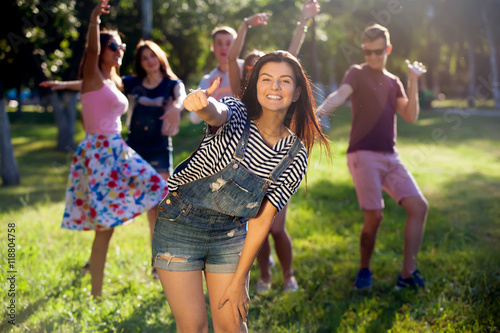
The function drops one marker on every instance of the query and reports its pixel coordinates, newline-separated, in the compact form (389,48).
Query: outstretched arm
(235,51)
(62,85)
(236,292)
(409,108)
(207,108)
(335,99)
(309,10)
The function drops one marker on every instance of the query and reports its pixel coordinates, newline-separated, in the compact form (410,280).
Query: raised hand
(198,99)
(258,19)
(101,8)
(310,9)
(416,69)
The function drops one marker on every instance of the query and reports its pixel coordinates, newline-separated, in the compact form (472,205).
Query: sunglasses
(377,52)
(115,47)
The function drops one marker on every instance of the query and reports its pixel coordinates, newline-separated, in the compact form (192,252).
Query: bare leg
(184,293)
(283,244)
(98,259)
(223,318)
(263,261)
(416,208)
(372,219)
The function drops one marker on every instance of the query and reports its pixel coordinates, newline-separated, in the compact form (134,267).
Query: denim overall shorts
(203,224)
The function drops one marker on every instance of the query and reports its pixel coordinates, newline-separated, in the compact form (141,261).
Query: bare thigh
(185,296)
(223,318)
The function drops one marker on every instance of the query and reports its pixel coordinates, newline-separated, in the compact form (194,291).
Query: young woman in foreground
(223,199)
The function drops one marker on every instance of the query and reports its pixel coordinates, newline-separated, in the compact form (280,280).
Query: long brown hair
(104,37)
(301,117)
(160,54)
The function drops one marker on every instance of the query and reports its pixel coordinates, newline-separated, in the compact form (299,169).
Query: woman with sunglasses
(223,198)
(109,183)
(155,96)
(282,240)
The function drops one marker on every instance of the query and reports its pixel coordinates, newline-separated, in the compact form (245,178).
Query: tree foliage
(47,37)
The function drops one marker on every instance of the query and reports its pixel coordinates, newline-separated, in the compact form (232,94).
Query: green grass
(455,160)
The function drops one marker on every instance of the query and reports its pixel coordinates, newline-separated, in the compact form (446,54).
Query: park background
(453,152)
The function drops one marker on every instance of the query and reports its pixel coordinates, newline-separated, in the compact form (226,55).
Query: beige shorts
(373,171)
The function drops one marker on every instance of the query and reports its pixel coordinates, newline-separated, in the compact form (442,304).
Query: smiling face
(149,61)
(374,60)
(113,58)
(276,87)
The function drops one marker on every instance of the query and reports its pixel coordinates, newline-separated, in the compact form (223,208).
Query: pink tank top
(101,110)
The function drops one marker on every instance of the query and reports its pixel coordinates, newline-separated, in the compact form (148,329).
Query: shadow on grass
(55,292)
(139,320)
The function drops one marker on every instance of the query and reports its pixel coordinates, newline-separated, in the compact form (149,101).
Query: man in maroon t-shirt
(372,157)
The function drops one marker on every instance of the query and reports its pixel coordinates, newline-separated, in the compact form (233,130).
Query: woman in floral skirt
(109,183)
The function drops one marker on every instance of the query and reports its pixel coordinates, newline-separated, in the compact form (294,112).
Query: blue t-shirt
(145,126)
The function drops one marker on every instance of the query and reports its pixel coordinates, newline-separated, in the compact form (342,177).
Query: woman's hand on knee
(239,301)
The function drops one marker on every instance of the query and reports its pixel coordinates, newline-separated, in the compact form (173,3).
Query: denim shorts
(373,171)
(196,239)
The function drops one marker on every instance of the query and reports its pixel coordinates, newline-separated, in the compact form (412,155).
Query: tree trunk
(8,164)
(65,117)
(472,70)
(495,83)
(147,18)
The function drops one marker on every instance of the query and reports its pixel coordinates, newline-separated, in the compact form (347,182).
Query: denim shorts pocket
(231,198)
(169,210)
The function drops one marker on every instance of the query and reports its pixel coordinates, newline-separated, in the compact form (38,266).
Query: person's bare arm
(335,99)
(409,109)
(309,10)
(237,47)
(92,79)
(172,115)
(236,293)
(62,85)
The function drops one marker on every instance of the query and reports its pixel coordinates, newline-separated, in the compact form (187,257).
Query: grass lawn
(455,159)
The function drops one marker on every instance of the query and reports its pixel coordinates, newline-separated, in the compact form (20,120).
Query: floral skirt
(109,184)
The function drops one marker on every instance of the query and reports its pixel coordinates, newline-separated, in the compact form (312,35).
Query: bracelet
(246,22)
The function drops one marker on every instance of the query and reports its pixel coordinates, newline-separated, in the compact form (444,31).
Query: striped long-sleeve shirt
(216,151)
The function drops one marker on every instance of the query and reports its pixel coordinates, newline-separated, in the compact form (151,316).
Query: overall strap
(239,153)
(286,161)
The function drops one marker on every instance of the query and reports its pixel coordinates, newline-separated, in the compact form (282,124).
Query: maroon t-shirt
(373,105)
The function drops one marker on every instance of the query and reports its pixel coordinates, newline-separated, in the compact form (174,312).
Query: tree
(8,164)
(495,83)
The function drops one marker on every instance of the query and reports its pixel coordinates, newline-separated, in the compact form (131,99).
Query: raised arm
(309,10)
(237,292)
(237,47)
(206,107)
(335,99)
(409,108)
(92,79)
